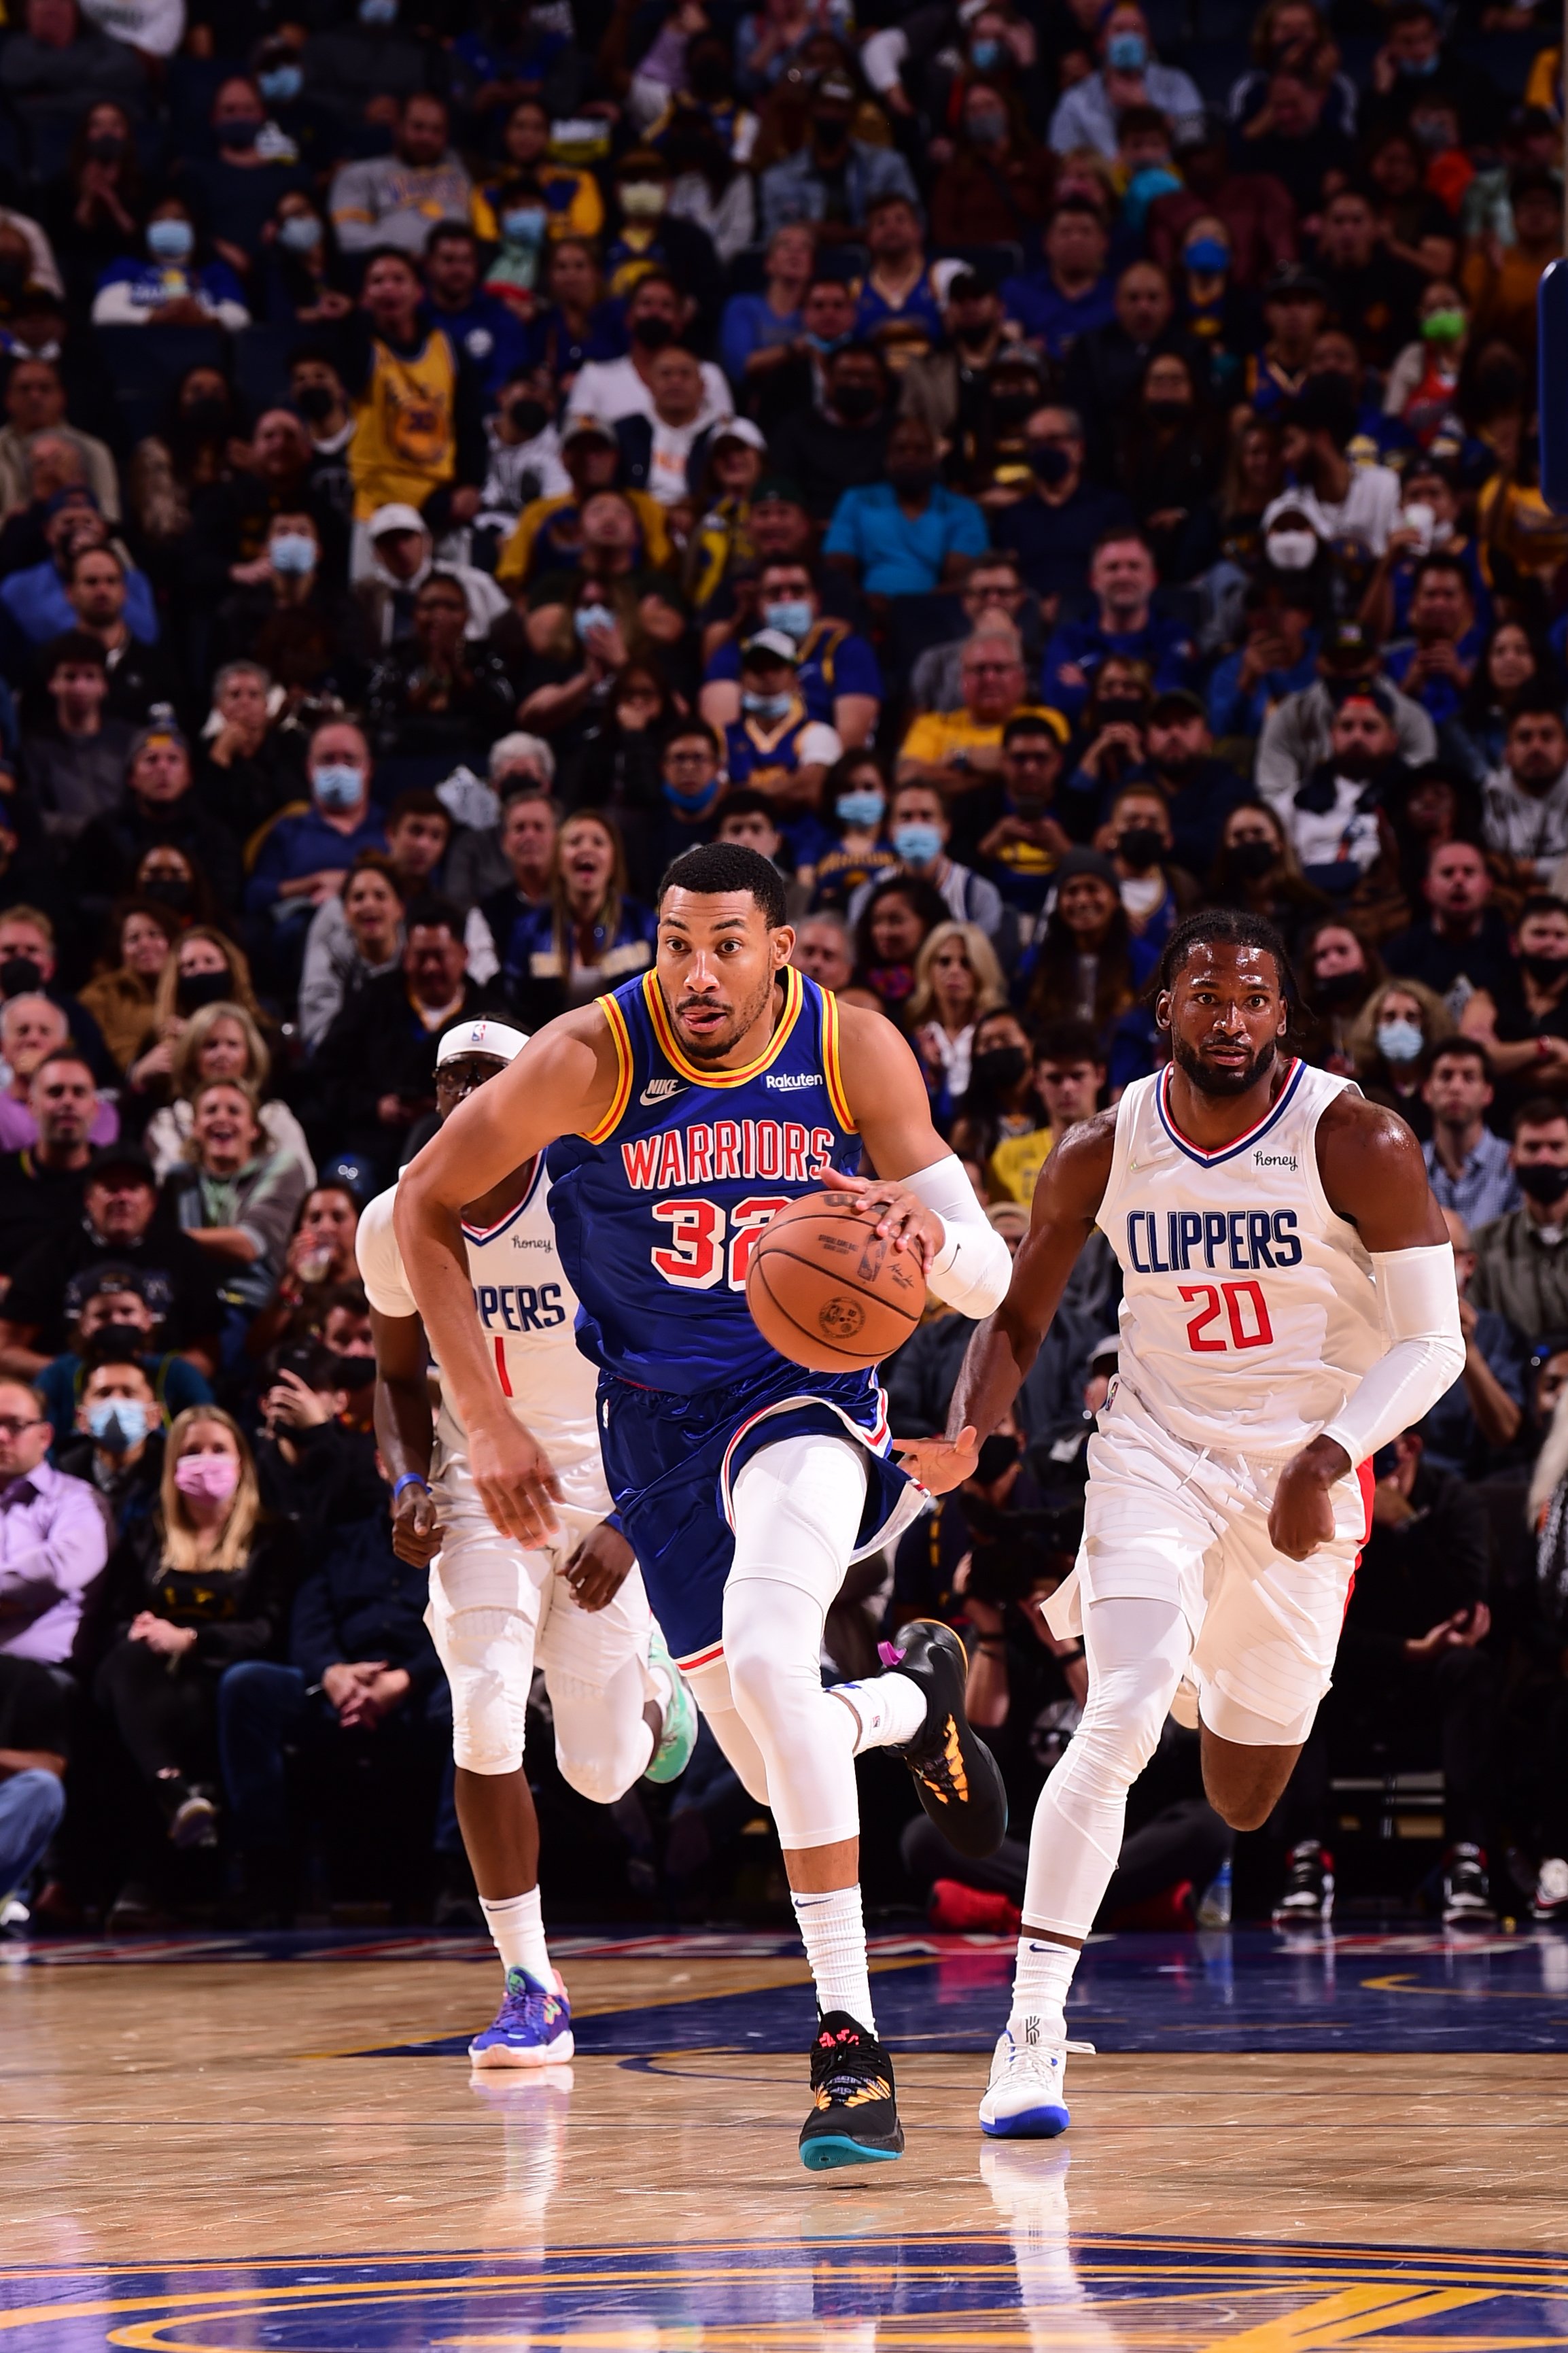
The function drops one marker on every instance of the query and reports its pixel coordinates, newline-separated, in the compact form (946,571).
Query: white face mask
(1291,550)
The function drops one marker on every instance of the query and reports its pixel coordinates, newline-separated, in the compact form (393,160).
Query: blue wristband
(410,1479)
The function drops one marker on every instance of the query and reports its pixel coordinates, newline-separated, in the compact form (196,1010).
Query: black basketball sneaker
(854,2116)
(955,1772)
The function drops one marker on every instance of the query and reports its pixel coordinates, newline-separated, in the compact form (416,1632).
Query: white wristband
(974,1266)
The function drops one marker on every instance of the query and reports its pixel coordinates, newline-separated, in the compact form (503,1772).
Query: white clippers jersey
(1249,1310)
(527,1312)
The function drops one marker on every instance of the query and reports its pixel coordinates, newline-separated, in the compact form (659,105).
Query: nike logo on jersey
(660,1090)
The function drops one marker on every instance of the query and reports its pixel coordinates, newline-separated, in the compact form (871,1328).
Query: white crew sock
(890,1710)
(834,1935)
(519,1932)
(1040,1983)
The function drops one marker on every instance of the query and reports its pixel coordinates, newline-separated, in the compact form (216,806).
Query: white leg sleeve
(710,1687)
(602,1742)
(797,1508)
(1137,1650)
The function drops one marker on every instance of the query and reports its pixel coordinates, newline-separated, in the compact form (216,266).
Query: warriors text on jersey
(659,1209)
(1250,1311)
(527,1310)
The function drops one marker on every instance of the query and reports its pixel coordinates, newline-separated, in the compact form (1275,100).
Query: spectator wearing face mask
(606,390)
(1523,1021)
(304,858)
(173,285)
(52,1536)
(834,179)
(1338,819)
(114,1442)
(160,809)
(112,1324)
(301,625)
(920,828)
(237,191)
(1392,1041)
(1128,74)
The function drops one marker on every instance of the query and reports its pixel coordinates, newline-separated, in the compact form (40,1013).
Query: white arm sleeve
(380,1259)
(974,1266)
(1421,1312)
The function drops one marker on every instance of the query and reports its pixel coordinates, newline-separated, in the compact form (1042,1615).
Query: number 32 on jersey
(707,1244)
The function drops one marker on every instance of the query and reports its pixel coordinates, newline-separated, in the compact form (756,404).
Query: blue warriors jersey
(658,1211)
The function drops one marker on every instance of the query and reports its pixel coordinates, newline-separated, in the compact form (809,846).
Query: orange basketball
(827,1291)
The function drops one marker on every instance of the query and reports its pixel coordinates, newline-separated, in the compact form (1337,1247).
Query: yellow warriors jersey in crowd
(405,434)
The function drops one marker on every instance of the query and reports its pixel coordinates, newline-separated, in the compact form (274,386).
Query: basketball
(827,1291)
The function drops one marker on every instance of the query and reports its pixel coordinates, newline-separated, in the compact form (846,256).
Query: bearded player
(1290,1306)
(682,1113)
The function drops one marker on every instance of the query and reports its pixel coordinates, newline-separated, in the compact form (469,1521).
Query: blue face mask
(697,803)
(337,787)
(916,844)
(524,225)
(986,54)
(301,232)
(592,617)
(119,1423)
(1419,67)
(378,12)
(1209,256)
(293,553)
(793,615)
(278,84)
(767,706)
(860,808)
(1398,1041)
(826,344)
(171,240)
(1127,52)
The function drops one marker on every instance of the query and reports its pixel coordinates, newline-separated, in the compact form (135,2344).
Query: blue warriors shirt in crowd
(657,1212)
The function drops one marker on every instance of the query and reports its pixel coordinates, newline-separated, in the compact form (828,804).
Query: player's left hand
(901,1218)
(599,1567)
(940,1463)
(1301,1516)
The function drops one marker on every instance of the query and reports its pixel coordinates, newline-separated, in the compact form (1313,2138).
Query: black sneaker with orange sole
(955,1774)
(854,2116)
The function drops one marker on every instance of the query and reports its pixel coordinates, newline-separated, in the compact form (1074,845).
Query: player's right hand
(415,1532)
(516,1481)
(940,1463)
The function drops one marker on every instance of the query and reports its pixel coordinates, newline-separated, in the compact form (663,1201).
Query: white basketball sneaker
(1026,2097)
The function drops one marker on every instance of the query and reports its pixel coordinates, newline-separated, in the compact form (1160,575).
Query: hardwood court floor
(196,2150)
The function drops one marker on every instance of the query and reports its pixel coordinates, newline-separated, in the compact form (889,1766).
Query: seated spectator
(395,199)
(55,65)
(992,585)
(34,405)
(1278,656)
(41,1183)
(855,801)
(1461,945)
(1000,1107)
(1008,827)
(191,453)
(1155,892)
(590,934)
(201,1583)
(206,970)
(374,1070)
(1411,1666)
(836,674)
(897,918)
(479,324)
(824,949)
(359,933)
(37,599)
(363,1668)
(956,751)
(75,765)
(920,828)
(115,1442)
(304,858)
(1519,1269)
(238,190)
(53,1543)
(1073,293)
(1122,578)
(664,449)
(304,631)
(1295,738)
(234,1197)
(319,1265)
(300,273)
(112,1323)
(1128,75)
(957,981)
(775,747)
(548,534)
(1107,365)
(1394,1038)
(403,558)
(1467,1161)
(759,332)
(159,810)
(171,285)
(527,846)
(440,694)
(1081,965)
(1436,668)
(96,205)
(1524,1024)
(140,935)
(1054,528)
(906,535)
(33,1033)
(1338,974)
(835,178)
(897,312)
(119,1220)
(842,446)
(1337,820)
(1170,464)
(1525,821)
(34,1743)
(572,198)
(657,315)
(27,963)
(112,605)
(997,185)
(220,1041)
(1512,666)
(1341,499)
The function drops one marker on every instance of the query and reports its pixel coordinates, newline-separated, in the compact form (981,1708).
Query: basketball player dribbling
(681,1113)
(1290,1306)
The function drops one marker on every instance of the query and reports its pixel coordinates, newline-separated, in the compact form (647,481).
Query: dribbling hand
(940,1463)
(516,1481)
(900,1217)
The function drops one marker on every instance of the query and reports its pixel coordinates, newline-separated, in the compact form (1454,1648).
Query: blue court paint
(1009,2286)
(1248,1989)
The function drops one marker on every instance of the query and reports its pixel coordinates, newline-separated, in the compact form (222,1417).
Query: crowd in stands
(454,457)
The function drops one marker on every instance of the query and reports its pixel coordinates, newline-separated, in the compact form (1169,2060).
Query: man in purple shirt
(1073,292)
(54,1540)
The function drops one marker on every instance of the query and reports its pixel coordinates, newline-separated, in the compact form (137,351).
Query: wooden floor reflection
(186,2115)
